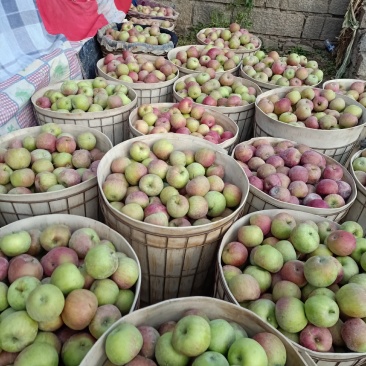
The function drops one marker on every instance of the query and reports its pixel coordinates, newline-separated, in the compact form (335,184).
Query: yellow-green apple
(191,335)
(24,265)
(162,148)
(151,184)
(4,289)
(320,271)
(45,302)
(316,338)
(350,268)
(274,348)
(353,332)
(50,338)
(250,235)
(177,176)
(268,258)
(290,314)
(104,318)
(222,336)
(126,274)
(351,299)
(304,238)
(41,354)
(82,240)
(67,277)
(282,225)
(265,309)
(198,186)
(55,235)
(127,334)
(232,194)
(247,351)
(19,290)
(321,311)
(229,271)
(285,288)
(325,228)
(124,301)
(244,287)
(16,243)
(262,276)
(165,353)
(18,330)
(76,347)
(352,227)
(216,203)
(210,358)
(286,249)
(101,261)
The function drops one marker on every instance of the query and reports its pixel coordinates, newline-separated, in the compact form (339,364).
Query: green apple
(15,243)
(247,352)
(268,258)
(210,358)
(101,262)
(304,238)
(286,249)
(86,140)
(67,277)
(55,235)
(45,303)
(3,296)
(222,336)
(350,268)
(353,227)
(359,279)
(104,318)
(17,331)
(37,354)
(262,276)
(290,314)
(282,225)
(49,338)
(191,335)
(75,348)
(166,354)
(351,299)
(321,311)
(239,331)
(265,309)
(321,271)
(131,338)
(285,288)
(19,291)
(105,290)
(360,249)
(274,348)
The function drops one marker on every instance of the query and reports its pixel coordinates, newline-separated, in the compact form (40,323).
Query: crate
(157,314)
(258,200)
(242,116)
(111,122)
(222,120)
(223,292)
(175,261)
(147,93)
(81,199)
(337,144)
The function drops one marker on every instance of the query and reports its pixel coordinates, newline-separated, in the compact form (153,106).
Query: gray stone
(362,43)
(361,66)
(273,4)
(332,28)
(275,22)
(259,3)
(185,9)
(312,6)
(338,7)
(269,44)
(202,11)
(313,27)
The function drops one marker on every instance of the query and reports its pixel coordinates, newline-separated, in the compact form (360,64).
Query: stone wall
(280,23)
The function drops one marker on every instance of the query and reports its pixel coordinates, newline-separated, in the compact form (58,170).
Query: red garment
(76,19)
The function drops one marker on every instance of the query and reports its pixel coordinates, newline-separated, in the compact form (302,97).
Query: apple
(290,314)
(247,351)
(316,338)
(165,353)
(76,347)
(41,354)
(101,262)
(14,244)
(321,311)
(105,316)
(19,290)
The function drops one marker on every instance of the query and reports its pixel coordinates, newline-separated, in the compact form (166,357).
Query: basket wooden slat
(175,261)
(222,120)
(222,291)
(156,315)
(337,144)
(258,200)
(242,116)
(264,86)
(240,51)
(184,71)
(111,122)
(357,211)
(81,199)
(147,93)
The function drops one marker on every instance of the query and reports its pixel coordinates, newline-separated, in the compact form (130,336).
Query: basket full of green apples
(193,331)
(65,280)
(97,103)
(304,275)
